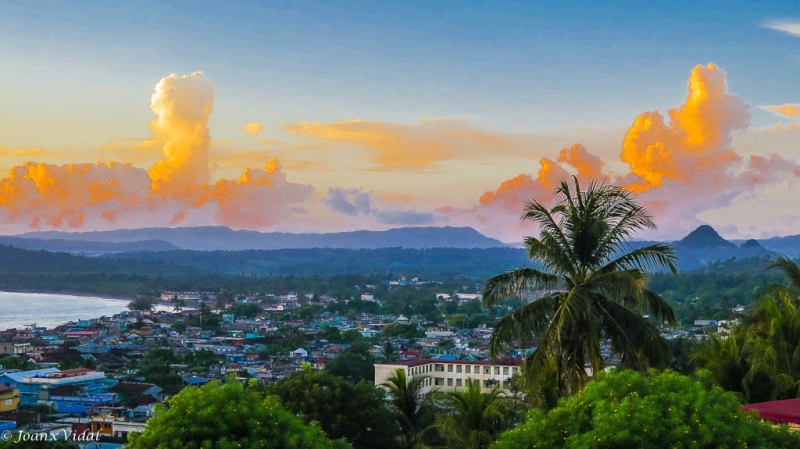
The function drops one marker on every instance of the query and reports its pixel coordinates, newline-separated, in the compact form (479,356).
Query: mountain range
(698,248)
(206,238)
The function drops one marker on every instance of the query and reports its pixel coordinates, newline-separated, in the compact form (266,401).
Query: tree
(413,407)
(472,419)
(225,417)
(354,364)
(772,335)
(389,352)
(14,443)
(356,412)
(760,360)
(16,362)
(178,303)
(142,303)
(662,410)
(597,289)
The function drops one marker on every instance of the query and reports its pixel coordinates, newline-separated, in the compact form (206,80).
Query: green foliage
(628,409)
(471,419)
(354,364)
(226,417)
(154,367)
(244,310)
(598,289)
(402,331)
(413,409)
(16,362)
(355,412)
(330,333)
(761,358)
(142,303)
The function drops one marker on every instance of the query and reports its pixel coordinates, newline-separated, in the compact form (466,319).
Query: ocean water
(18,310)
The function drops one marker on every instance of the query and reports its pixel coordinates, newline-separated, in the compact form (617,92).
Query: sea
(18,310)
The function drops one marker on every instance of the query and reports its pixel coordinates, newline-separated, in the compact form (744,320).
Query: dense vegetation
(660,410)
(226,417)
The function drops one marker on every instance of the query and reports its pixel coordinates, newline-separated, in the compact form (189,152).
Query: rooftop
(418,362)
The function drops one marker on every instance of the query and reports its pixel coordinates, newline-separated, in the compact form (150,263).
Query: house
(299,353)
(15,348)
(129,390)
(9,398)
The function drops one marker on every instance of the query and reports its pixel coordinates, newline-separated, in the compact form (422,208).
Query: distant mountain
(751,244)
(86,247)
(704,237)
(222,238)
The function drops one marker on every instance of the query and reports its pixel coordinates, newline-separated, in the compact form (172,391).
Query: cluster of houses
(83,375)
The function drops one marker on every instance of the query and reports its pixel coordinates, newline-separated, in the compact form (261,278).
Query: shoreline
(68,293)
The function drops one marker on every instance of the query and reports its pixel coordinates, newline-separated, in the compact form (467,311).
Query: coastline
(69,293)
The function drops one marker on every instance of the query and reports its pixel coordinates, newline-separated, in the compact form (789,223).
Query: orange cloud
(681,167)
(24,152)
(790,110)
(696,141)
(183,106)
(175,190)
(253,128)
(403,146)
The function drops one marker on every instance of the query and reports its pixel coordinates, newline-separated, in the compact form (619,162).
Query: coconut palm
(724,360)
(594,284)
(472,419)
(413,406)
(772,335)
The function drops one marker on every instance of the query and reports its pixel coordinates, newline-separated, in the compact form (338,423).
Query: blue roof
(17,377)
(446,357)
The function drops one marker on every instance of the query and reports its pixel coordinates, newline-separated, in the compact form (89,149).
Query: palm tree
(389,353)
(772,335)
(724,360)
(179,303)
(472,419)
(413,407)
(596,290)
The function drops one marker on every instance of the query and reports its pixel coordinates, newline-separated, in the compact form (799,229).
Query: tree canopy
(228,416)
(356,412)
(629,409)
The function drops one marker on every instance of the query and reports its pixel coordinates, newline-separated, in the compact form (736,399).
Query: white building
(449,374)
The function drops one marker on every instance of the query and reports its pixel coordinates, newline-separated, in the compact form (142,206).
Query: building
(36,385)
(9,398)
(447,374)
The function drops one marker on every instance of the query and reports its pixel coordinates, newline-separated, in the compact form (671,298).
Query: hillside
(86,247)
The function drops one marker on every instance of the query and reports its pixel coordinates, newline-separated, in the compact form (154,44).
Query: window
(458,382)
(439,381)
(487,370)
(439,367)
(449,382)
(488,383)
(516,370)
(497,370)
(449,368)
(505,370)
(458,368)
(468,368)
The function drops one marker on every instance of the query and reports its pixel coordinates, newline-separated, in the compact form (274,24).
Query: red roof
(780,411)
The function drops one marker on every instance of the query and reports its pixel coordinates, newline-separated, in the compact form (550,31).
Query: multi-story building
(449,374)
(36,385)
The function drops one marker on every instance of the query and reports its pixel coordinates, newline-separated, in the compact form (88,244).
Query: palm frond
(515,282)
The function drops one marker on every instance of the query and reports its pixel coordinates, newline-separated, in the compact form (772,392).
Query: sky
(332,116)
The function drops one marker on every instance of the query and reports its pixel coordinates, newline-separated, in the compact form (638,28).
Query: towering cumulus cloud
(176,190)
(696,141)
(182,106)
(681,166)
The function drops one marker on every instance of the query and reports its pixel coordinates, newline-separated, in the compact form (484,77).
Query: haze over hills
(698,248)
(221,238)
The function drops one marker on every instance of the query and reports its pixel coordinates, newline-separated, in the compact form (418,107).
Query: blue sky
(75,76)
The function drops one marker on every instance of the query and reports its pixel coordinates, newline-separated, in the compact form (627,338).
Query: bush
(664,410)
(227,417)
